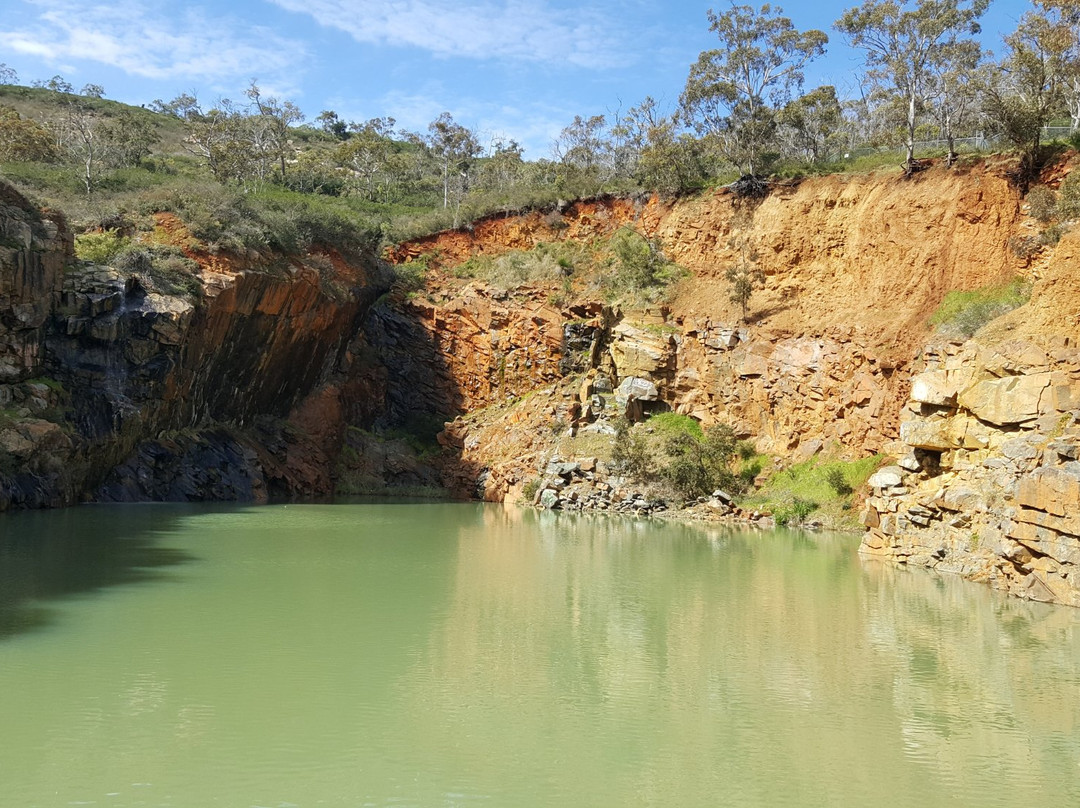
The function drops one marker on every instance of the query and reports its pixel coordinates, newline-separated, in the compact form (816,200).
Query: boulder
(888,477)
(1011,400)
(933,387)
(634,388)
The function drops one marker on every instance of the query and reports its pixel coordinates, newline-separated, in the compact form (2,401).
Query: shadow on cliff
(402,390)
(47,557)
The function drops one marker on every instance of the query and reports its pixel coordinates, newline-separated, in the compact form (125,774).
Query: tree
(504,167)
(129,138)
(455,148)
(92,91)
(23,140)
(366,154)
(815,122)
(697,467)
(80,135)
(332,124)
(58,84)
(185,106)
(1029,84)
(8,75)
(95,143)
(1063,17)
(654,153)
(744,275)
(271,127)
(903,44)
(951,93)
(581,151)
(732,92)
(218,137)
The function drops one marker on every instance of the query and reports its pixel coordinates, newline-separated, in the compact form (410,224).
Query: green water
(451,655)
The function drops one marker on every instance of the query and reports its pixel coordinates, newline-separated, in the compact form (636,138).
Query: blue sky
(517,69)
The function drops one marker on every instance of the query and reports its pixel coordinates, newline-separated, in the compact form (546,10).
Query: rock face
(994,488)
(111,388)
(34,249)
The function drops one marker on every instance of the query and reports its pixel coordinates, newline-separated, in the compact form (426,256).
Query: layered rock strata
(988,485)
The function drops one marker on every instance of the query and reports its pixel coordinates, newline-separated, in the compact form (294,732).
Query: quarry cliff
(274,376)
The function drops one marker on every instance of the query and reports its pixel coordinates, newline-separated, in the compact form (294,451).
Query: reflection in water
(768,668)
(441,655)
(45,556)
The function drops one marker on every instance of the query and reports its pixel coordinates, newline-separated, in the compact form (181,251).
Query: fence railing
(979,142)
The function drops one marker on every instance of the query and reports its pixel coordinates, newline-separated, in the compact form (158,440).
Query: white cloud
(131,38)
(477,29)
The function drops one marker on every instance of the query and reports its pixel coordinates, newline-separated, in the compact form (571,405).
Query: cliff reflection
(663,664)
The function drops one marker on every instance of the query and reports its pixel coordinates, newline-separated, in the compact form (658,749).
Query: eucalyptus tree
(583,152)
(504,167)
(904,42)
(815,123)
(1031,84)
(366,154)
(1063,24)
(733,92)
(951,90)
(655,152)
(271,122)
(455,148)
(8,74)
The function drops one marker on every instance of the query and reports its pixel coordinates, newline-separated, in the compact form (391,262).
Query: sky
(519,69)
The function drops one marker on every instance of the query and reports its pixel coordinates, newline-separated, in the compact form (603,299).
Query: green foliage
(100,248)
(965,312)
(794,513)
(698,466)
(1068,205)
(24,140)
(744,276)
(732,92)
(828,485)
(670,424)
(1043,203)
(642,269)
(165,267)
(630,453)
(529,489)
(837,480)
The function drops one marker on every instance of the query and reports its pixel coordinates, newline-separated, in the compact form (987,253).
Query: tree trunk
(952,156)
(909,162)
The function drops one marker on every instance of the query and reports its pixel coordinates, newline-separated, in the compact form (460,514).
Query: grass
(790,492)
(669,424)
(962,313)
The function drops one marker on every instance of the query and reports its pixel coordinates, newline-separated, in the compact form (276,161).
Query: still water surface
(458,655)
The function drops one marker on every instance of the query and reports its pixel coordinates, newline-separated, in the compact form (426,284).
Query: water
(458,655)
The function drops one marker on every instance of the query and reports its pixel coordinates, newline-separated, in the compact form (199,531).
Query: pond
(435,654)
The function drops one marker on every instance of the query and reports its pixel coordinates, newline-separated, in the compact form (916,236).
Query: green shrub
(630,453)
(1043,203)
(834,476)
(965,312)
(698,466)
(100,248)
(795,513)
(1068,206)
(529,489)
(641,268)
(1052,235)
